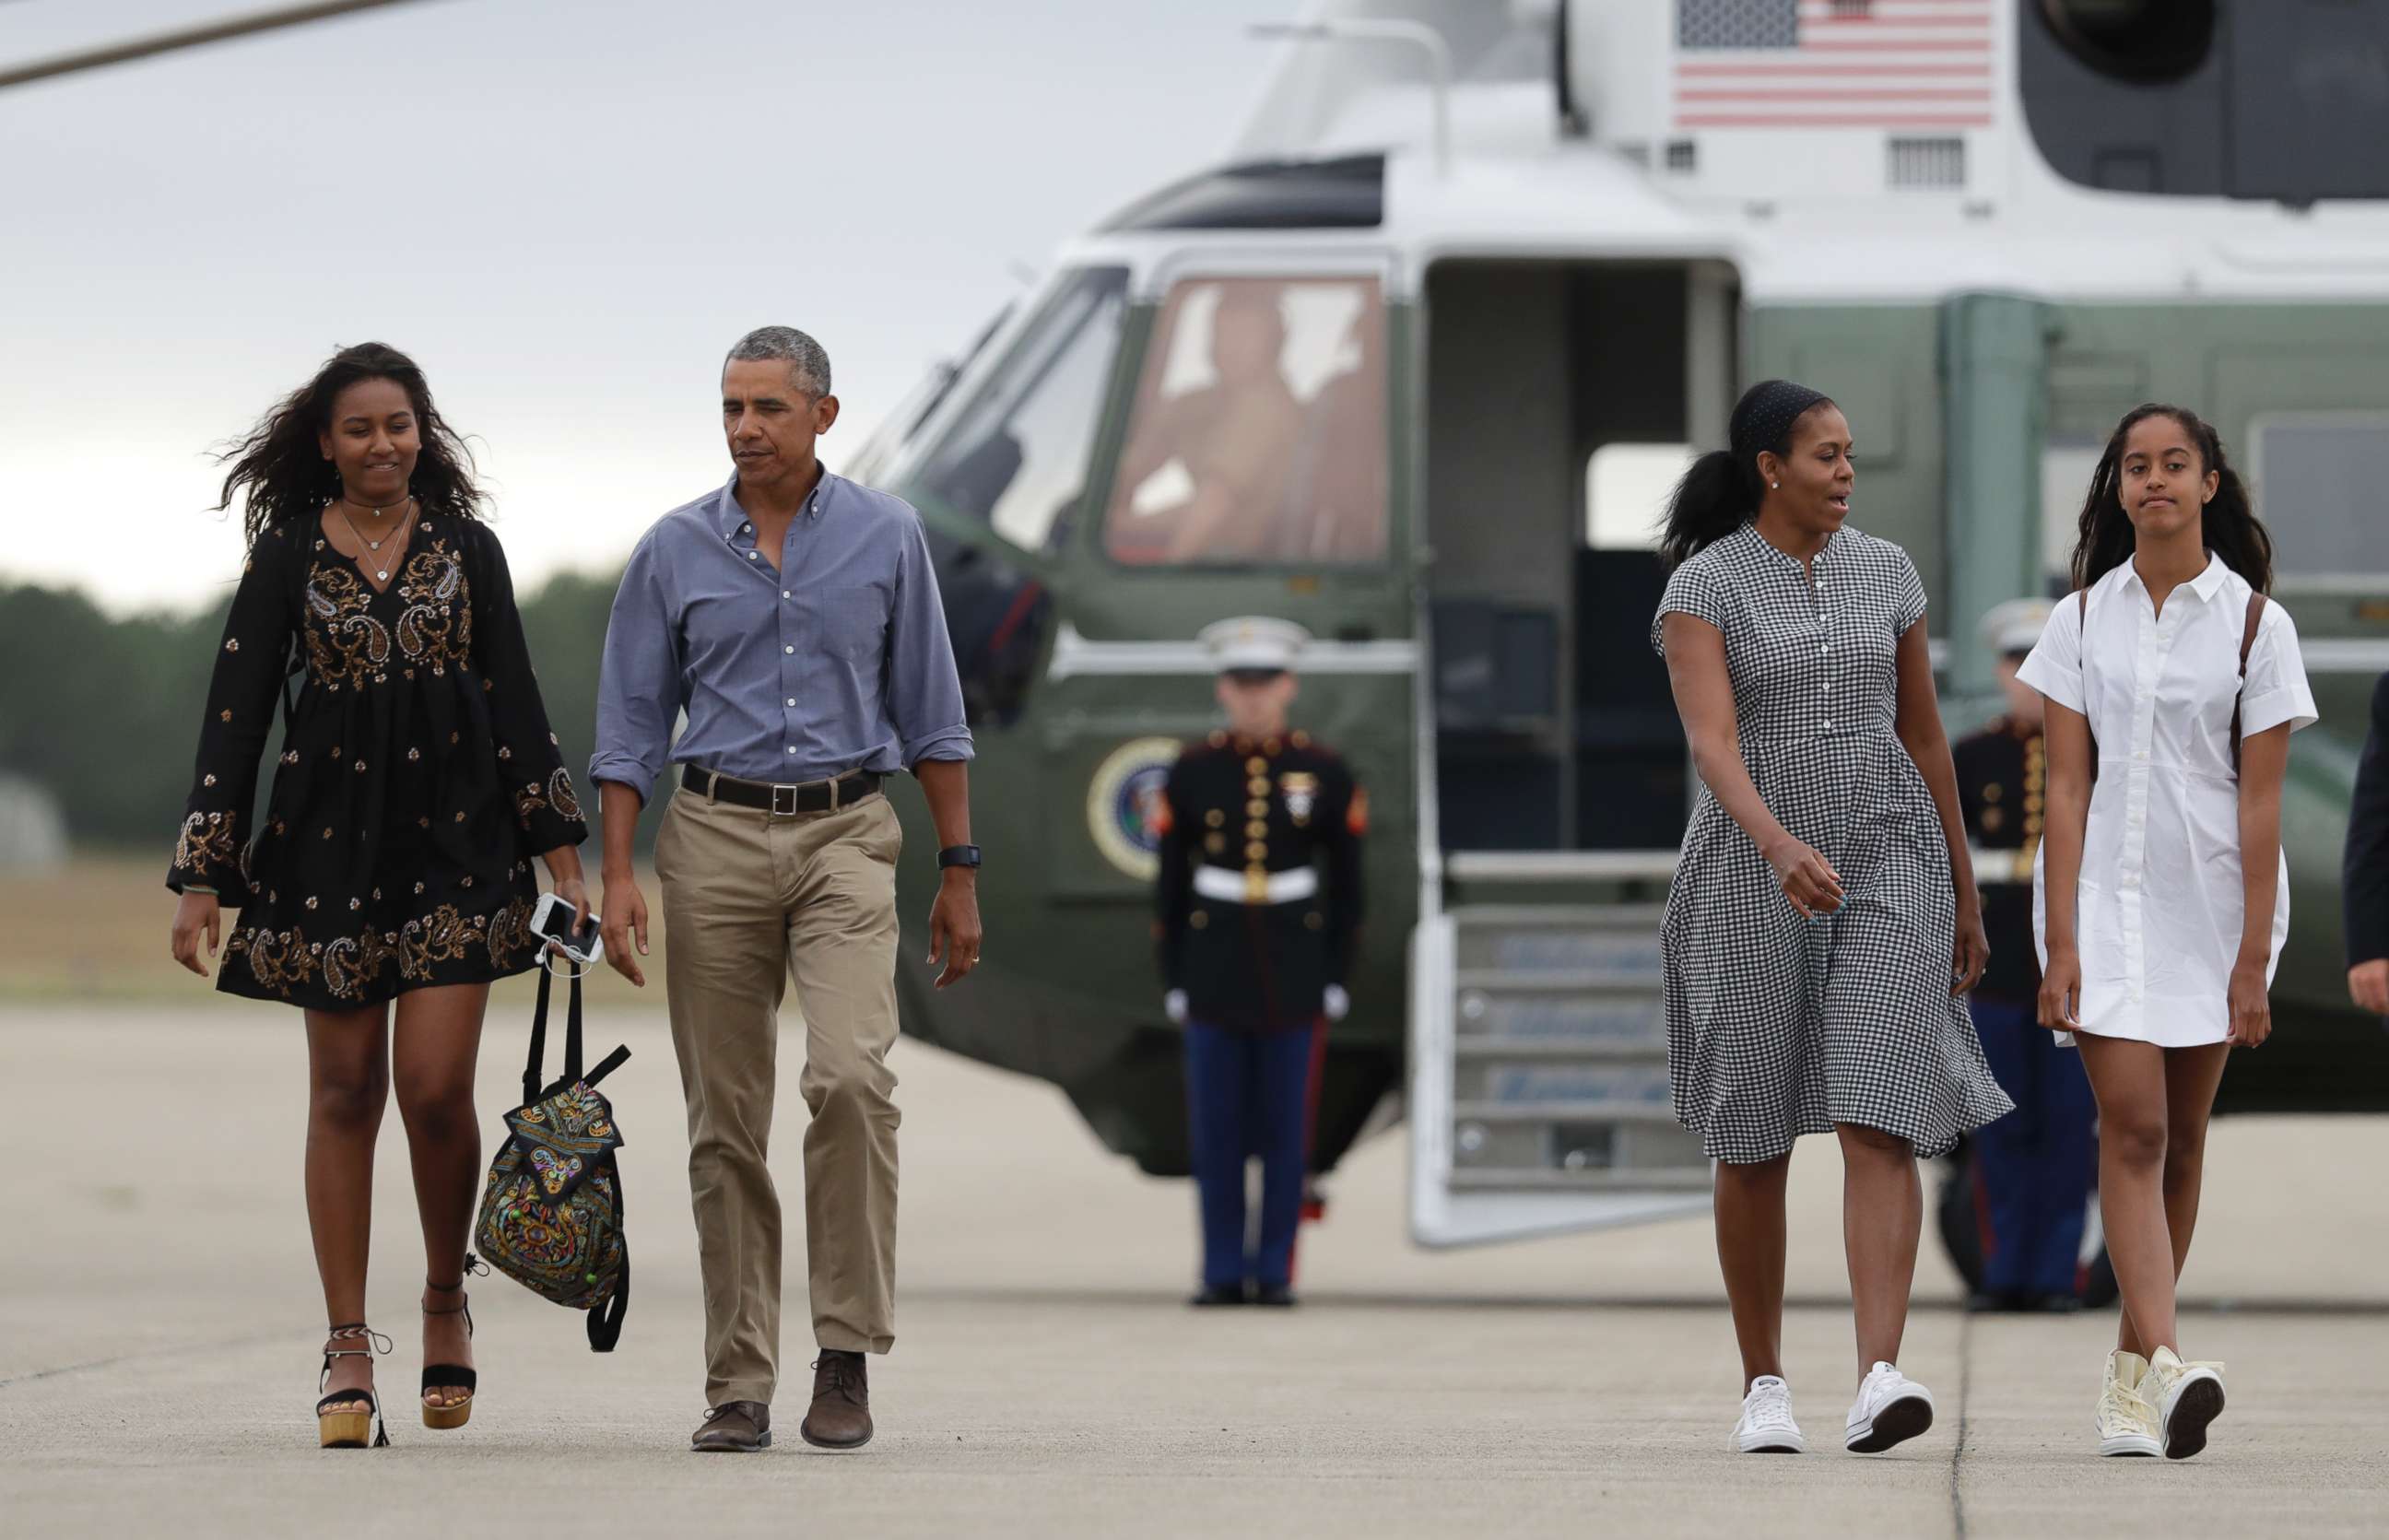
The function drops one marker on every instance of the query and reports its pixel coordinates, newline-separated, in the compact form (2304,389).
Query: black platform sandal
(436,1375)
(350,1429)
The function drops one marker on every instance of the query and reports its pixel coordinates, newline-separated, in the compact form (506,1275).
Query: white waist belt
(1230,886)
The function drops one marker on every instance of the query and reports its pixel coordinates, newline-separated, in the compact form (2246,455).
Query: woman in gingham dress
(1823,920)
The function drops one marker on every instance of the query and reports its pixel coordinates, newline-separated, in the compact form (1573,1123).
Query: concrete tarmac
(158,1323)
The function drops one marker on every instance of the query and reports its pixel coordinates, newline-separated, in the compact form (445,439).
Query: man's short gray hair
(808,362)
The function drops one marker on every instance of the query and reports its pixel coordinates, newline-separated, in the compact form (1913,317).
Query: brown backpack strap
(2082,606)
(2247,641)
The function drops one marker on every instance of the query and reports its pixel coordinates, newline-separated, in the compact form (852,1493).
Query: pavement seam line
(1957,1453)
(176,1351)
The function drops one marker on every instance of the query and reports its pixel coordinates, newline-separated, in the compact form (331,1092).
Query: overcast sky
(565,211)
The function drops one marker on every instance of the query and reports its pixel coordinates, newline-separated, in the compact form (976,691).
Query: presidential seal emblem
(1301,789)
(1126,811)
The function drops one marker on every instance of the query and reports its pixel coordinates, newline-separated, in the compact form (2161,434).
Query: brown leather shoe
(733,1428)
(840,1418)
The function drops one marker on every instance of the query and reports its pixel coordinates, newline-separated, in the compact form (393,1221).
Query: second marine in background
(1256,943)
(2034,1166)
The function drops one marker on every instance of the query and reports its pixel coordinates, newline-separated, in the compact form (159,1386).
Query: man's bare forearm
(946,785)
(619,807)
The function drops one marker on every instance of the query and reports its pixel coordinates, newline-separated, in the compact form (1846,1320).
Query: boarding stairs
(1539,1063)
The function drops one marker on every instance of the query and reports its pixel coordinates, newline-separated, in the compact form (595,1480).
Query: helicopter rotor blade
(245,25)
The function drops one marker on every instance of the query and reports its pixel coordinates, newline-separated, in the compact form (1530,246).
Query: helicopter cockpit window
(1016,455)
(1258,435)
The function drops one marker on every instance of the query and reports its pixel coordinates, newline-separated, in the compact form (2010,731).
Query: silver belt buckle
(779,811)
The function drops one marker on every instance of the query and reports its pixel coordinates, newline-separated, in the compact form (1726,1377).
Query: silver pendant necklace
(381,574)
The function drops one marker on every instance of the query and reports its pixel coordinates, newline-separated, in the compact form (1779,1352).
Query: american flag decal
(1906,65)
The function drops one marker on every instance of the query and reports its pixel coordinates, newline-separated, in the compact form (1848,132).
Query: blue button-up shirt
(836,661)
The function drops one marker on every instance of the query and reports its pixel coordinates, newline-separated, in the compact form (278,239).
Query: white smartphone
(552,920)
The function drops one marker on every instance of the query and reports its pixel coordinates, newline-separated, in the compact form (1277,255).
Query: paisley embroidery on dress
(559,791)
(345,645)
(438,625)
(206,841)
(353,964)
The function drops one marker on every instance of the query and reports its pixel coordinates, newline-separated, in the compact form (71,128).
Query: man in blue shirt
(794,617)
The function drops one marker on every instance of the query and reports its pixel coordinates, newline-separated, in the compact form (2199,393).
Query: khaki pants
(751,902)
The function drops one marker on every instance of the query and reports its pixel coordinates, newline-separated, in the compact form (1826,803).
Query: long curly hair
(279,475)
(2229,526)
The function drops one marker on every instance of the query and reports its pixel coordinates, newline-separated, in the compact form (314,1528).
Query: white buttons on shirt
(751,556)
(792,700)
(792,749)
(786,594)
(788,649)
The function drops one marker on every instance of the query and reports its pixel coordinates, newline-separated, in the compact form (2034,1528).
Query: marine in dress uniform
(2034,1167)
(1258,903)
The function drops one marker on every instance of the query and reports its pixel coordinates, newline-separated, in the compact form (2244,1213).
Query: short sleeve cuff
(1690,592)
(2057,684)
(950,744)
(2261,713)
(1910,612)
(623,771)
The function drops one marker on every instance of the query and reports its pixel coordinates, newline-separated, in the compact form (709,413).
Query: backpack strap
(2081,642)
(606,1324)
(534,1079)
(2247,642)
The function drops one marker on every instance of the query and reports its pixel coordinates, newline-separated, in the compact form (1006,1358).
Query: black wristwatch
(958,855)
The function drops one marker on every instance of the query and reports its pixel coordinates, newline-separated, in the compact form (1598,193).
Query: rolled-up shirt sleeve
(639,679)
(925,693)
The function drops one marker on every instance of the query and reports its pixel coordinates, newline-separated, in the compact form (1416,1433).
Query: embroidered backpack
(552,1208)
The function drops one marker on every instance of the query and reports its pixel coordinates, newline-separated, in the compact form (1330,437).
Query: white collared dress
(1779,1025)
(2158,909)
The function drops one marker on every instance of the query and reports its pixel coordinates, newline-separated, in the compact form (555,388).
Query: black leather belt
(781,801)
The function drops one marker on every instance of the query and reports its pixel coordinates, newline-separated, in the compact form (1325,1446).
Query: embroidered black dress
(418,779)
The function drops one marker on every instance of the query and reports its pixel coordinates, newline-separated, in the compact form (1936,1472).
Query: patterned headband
(1767,412)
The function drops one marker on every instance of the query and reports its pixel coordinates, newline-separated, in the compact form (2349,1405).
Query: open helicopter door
(1558,395)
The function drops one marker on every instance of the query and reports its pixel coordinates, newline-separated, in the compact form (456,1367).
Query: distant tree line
(104,713)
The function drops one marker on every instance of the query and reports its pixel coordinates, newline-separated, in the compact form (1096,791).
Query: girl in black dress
(392,860)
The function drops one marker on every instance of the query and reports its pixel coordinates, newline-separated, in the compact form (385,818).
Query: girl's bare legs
(2129,1078)
(1883,1214)
(348,1082)
(1750,1251)
(2191,1076)
(439,1034)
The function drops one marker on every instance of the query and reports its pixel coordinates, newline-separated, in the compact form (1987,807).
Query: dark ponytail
(1720,492)
(2229,526)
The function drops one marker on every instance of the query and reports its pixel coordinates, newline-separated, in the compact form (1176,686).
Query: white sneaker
(1766,1427)
(1891,1408)
(2127,1424)
(2187,1397)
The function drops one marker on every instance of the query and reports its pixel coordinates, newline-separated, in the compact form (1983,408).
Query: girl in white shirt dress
(2160,893)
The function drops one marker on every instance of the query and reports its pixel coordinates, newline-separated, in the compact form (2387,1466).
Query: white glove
(1335,1002)
(1173,1005)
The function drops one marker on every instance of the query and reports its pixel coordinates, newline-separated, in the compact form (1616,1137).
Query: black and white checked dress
(1779,1026)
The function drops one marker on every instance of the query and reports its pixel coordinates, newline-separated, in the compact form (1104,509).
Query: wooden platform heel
(339,1422)
(438,1376)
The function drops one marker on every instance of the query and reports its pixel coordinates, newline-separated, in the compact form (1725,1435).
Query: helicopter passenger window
(1259,434)
(1016,456)
(2314,478)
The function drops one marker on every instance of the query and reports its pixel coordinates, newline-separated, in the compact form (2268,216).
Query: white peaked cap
(1253,642)
(2015,626)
